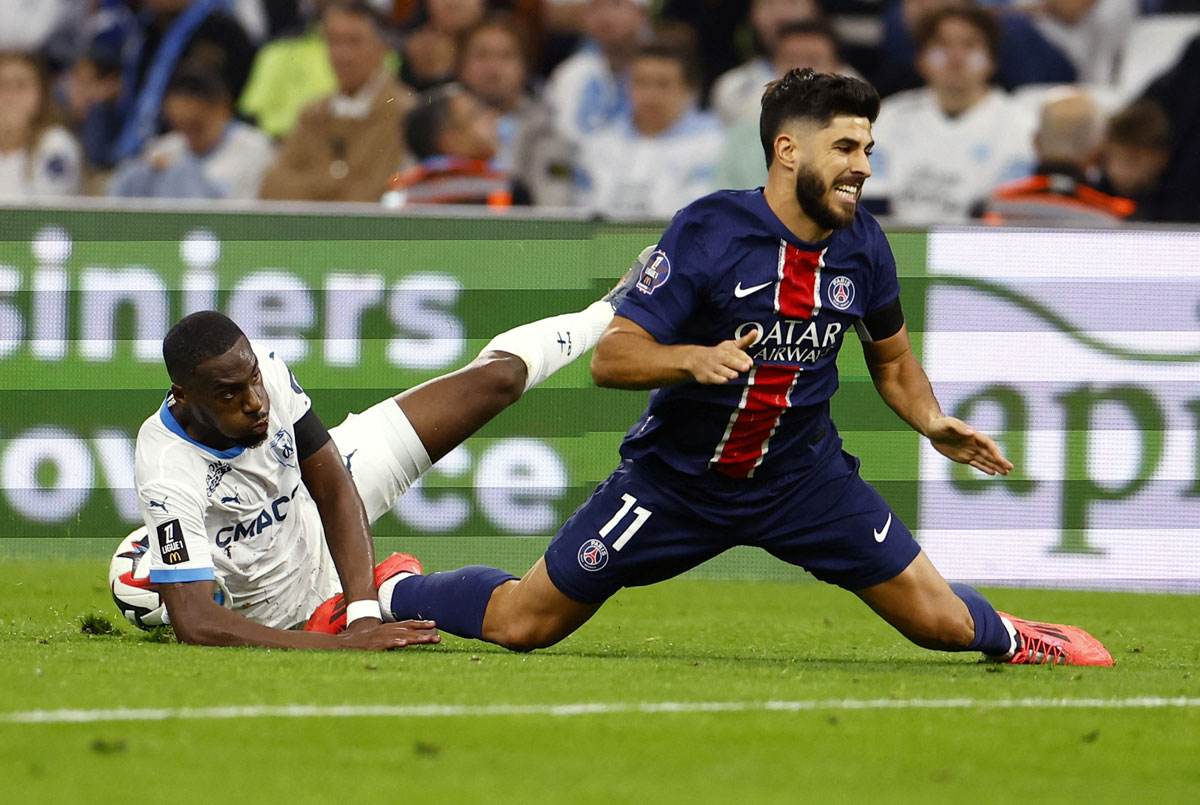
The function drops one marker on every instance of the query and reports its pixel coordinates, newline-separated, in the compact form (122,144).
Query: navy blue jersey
(727,265)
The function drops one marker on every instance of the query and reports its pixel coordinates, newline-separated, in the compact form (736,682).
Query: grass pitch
(864,716)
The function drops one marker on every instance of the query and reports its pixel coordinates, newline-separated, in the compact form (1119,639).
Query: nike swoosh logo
(739,291)
(880,536)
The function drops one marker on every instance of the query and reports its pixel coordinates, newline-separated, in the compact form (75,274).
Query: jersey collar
(172,424)
(759,204)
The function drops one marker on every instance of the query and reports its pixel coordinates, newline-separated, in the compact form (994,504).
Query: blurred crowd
(1008,111)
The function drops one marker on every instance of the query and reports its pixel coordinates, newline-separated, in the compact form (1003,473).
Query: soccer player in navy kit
(735,321)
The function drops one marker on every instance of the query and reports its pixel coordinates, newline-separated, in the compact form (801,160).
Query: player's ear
(179,393)
(785,150)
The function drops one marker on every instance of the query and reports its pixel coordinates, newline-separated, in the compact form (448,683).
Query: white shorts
(383,454)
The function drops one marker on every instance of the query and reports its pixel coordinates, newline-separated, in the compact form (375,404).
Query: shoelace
(1038,651)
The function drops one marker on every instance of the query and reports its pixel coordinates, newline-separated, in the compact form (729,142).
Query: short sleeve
(179,548)
(672,283)
(282,386)
(885,285)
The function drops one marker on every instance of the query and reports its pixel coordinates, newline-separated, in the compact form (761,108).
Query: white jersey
(242,514)
(933,167)
(584,96)
(658,175)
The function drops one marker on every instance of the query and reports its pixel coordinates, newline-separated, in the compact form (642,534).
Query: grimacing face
(834,162)
(226,399)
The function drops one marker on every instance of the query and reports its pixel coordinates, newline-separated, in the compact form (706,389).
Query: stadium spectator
(1067,144)
(737,91)
(719,26)
(206,152)
(799,44)
(288,74)
(941,150)
(1134,156)
(170,33)
(454,137)
(431,50)
(664,156)
(589,91)
(1090,32)
(92,90)
(1023,56)
(291,72)
(346,146)
(38,159)
(495,66)
(1175,92)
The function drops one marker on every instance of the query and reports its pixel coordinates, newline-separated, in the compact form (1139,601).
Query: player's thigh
(843,532)
(383,454)
(633,530)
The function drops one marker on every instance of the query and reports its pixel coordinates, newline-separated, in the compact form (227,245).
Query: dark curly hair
(807,94)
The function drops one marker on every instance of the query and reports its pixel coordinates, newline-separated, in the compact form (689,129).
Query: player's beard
(252,440)
(812,193)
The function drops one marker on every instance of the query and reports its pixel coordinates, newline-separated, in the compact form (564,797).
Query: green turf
(682,641)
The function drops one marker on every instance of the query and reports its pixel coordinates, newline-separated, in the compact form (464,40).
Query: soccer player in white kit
(238,478)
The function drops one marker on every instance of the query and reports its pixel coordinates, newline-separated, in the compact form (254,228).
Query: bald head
(1071,129)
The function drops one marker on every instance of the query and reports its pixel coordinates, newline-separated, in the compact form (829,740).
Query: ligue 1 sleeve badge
(593,555)
(655,272)
(840,292)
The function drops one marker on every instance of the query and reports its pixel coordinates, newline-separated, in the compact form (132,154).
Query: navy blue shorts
(647,522)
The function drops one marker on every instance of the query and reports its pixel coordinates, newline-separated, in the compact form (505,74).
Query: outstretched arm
(902,383)
(629,357)
(197,619)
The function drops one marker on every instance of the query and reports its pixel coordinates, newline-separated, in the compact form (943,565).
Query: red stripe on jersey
(797,295)
(753,422)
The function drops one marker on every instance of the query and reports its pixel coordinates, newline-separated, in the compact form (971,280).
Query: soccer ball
(129,580)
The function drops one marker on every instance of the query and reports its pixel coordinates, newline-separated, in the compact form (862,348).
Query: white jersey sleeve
(179,543)
(293,402)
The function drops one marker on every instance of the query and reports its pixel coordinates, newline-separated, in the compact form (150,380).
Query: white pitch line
(576,709)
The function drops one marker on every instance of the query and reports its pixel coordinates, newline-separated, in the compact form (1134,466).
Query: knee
(500,375)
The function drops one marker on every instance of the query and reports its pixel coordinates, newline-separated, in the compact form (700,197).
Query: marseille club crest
(841,292)
(283,448)
(593,555)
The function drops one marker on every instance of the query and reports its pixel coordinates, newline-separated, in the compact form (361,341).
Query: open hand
(722,363)
(392,635)
(957,440)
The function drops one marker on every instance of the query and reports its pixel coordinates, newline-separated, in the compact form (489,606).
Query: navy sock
(456,599)
(990,635)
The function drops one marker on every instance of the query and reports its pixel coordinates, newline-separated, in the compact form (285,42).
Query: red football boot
(330,617)
(1055,644)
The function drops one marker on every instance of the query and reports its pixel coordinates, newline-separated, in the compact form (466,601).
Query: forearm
(626,361)
(220,627)
(348,535)
(904,386)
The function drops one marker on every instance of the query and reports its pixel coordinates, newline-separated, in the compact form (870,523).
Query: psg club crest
(841,292)
(655,272)
(593,555)
(283,448)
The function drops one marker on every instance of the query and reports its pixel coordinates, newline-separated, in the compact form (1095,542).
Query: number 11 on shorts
(640,516)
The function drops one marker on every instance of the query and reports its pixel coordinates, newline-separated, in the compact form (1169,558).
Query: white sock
(550,344)
(385,596)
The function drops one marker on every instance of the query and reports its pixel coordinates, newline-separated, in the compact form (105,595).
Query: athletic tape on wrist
(357,610)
